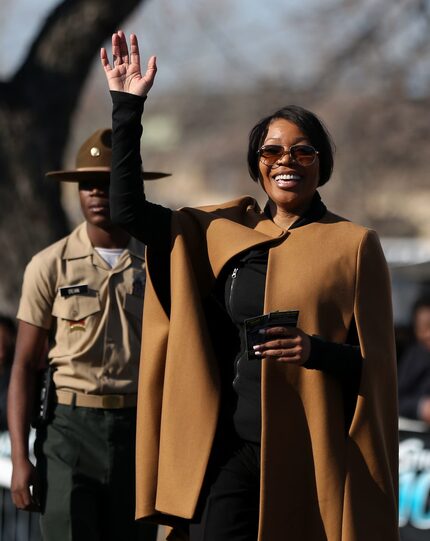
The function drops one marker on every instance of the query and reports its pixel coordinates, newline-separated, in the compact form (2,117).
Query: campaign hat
(93,161)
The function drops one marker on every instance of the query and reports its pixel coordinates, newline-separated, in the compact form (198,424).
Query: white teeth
(289,176)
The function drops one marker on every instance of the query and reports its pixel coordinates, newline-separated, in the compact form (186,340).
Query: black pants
(229,505)
(85,458)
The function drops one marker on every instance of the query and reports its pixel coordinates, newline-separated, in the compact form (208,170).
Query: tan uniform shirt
(98,325)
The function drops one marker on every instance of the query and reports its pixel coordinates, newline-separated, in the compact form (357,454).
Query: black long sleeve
(148,222)
(342,360)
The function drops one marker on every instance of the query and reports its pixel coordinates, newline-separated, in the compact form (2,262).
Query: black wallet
(272,319)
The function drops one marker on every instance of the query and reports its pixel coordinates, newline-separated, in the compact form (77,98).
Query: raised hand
(125,74)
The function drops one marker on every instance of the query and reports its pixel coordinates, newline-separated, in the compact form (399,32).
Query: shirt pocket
(76,307)
(133,304)
(78,322)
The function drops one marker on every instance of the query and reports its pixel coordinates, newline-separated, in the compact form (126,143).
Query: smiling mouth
(287,180)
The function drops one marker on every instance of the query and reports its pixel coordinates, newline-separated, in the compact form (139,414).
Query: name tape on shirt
(78,289)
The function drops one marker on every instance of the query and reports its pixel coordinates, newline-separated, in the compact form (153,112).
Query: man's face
(422,326)
(94,197)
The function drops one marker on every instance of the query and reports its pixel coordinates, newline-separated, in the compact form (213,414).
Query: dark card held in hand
(273,319)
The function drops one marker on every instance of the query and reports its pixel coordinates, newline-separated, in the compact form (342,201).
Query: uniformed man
(88,289)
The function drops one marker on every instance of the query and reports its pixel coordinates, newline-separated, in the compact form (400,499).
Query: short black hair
(311,126)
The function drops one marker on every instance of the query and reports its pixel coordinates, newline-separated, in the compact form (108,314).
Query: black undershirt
(240,287)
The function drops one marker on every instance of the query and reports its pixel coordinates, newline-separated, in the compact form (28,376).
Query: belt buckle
(112,401)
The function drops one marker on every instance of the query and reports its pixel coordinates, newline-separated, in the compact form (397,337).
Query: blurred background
(362,65)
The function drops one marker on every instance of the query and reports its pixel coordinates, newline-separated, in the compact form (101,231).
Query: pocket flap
(76,307)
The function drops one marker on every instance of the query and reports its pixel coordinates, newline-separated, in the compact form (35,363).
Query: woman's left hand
(124,75)
(284,344)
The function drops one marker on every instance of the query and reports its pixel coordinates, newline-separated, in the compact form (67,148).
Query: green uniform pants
(85,459)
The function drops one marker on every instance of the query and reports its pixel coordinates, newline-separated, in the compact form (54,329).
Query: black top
(243,292)
(239,292)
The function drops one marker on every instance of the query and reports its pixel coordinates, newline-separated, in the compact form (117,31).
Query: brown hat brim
(99,174)
(154,175)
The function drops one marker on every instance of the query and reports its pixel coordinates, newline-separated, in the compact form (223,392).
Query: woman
(300,442)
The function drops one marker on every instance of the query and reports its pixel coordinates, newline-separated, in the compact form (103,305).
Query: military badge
(78,325)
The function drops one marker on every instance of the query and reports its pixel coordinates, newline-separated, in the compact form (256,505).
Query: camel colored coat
(318,483)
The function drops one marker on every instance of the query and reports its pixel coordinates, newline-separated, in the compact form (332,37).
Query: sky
(255,39)
(245,42)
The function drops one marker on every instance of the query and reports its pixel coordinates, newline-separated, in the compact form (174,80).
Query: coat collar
(239,225)
(227,229)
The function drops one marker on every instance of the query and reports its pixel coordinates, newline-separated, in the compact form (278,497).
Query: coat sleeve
(372,447)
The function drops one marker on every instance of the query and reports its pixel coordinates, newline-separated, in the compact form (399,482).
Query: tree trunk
(36,108)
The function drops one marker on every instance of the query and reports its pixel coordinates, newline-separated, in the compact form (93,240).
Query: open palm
(125,74)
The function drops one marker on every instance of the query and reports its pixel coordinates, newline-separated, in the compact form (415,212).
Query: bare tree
(381,44)
(36,106)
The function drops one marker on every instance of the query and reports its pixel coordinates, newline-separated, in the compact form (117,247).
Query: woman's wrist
(119,96)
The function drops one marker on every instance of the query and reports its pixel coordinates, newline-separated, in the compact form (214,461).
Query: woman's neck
(285,218)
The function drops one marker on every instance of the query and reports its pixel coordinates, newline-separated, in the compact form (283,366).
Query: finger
(293,353)
(282,352)
(116,49)
(151,71)
(279,352)
(28,504)
(283,331)
(104,59)
(21,498)
(151,68)
(134,50)
(123,47)
(292,356)
(32,507)
(282,343)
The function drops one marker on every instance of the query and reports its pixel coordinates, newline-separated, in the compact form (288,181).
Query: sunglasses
(304,155)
